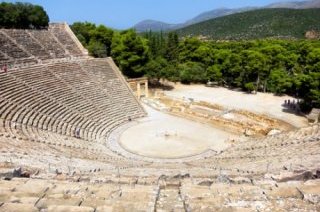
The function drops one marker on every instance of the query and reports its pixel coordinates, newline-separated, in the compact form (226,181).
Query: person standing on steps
(77,132)
(5,68)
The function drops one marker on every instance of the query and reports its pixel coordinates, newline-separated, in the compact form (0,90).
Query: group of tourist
(292,104)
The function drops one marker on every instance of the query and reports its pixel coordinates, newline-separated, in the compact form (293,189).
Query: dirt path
(264,103)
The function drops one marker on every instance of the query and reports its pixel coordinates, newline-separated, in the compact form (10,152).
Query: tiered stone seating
(4,59)
(44,113)
(40,148)
(29,44)
(59,31)
(24,47)
(263,195)
(95,103)
(296,150)
(109,80)
(50,195)
(162,195)
(11,49)
(64,99)
(48,41)
(22,109)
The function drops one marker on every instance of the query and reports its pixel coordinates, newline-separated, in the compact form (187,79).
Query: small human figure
(5,68)
(129,118)
(77,133)
(285,102)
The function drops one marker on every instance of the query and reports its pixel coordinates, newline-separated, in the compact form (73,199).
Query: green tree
(171,73)
(23,16)
(214,74)
(38,17)
(279,81)
(313,60)
(274,55)
(203,54)
(186,49)
(308,87)
(156,68)
(130,52)
(250,87)
(103,36)
(232,73)
(192,72)
(82,31)
(172,46)
(157,44)
(97,49)
(255,68)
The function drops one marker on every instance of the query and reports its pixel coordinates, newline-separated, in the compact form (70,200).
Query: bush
(250,87)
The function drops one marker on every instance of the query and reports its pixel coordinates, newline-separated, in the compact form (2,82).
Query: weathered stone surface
(104,209)
(18,207)
(206,183)
(284,192)
(290,176)
(311,191)
(240,180)
(274,132)
(62,208)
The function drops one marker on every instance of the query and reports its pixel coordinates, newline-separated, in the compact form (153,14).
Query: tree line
(23,16)
(268,65)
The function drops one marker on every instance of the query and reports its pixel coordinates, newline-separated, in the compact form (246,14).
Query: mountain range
(256,24)
(154,25)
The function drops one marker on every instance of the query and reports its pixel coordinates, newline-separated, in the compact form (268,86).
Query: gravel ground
(165,136)
(263,103)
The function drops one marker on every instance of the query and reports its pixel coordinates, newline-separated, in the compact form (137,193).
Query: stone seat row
(99,113)
(41,45)
(39,148)
(22,38)
(194,194)
(280,154)
(66,196)
(264,195)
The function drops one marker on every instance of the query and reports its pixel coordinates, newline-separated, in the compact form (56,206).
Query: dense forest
(256,24)
(268,65)
(22,16)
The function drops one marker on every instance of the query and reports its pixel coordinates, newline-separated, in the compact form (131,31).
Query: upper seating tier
(19,47)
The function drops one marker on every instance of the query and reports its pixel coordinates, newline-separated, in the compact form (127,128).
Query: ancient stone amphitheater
(60,111)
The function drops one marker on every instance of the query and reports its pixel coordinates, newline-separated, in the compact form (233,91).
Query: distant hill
(263,23)
(296,4)
(158,25)
(154,26)
(215,14)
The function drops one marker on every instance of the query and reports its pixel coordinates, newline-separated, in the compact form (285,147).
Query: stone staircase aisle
(169,197)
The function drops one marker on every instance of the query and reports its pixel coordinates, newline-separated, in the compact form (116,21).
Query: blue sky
(121,14)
